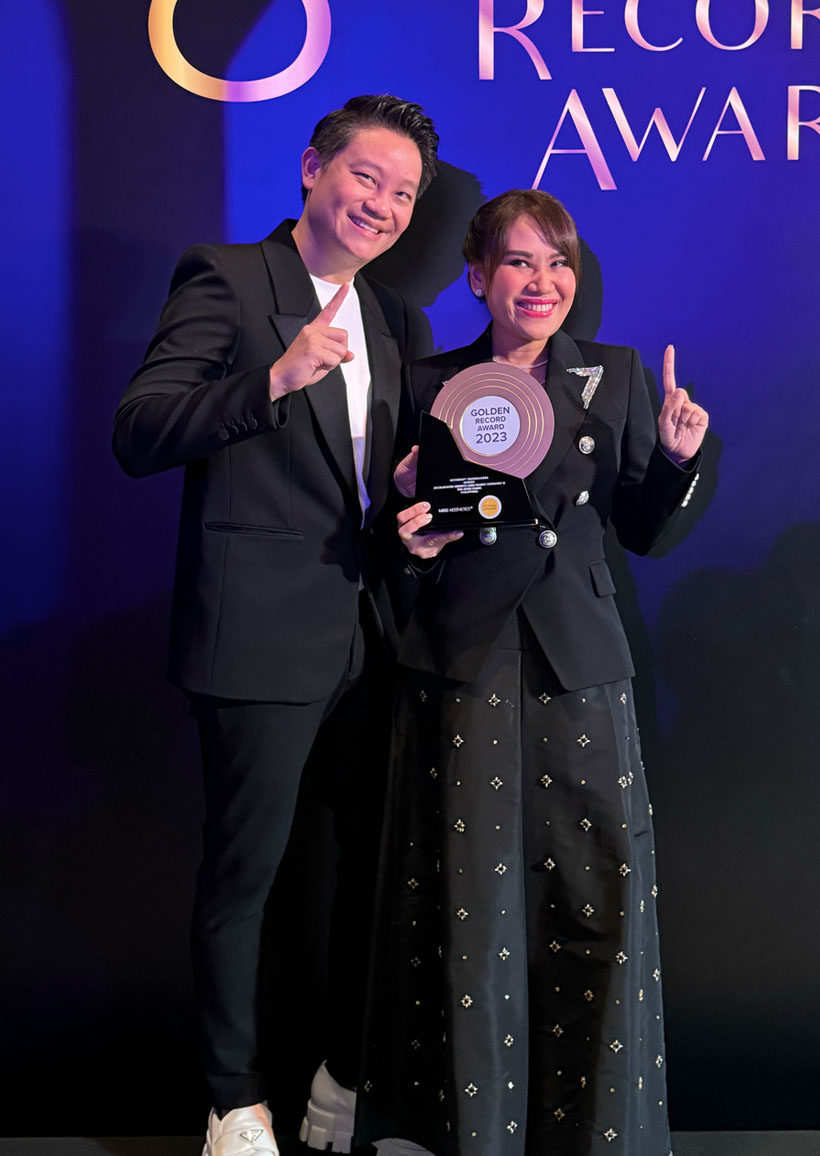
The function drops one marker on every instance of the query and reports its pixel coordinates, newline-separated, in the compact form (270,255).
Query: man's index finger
(334,305)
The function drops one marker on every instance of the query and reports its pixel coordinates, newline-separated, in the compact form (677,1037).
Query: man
(274,379)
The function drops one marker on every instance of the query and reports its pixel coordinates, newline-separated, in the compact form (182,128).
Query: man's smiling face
(360,201)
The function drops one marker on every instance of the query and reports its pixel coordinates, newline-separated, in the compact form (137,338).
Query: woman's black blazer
(565,590)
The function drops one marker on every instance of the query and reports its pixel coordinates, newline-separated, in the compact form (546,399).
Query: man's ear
(311,163)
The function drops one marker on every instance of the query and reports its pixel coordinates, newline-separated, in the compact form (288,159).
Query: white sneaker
(396,1147)
(241,1132)
(331,1111)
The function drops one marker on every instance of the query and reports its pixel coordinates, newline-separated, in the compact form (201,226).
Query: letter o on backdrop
(173,63)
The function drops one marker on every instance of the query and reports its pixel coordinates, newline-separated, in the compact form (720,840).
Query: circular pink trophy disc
(499,417)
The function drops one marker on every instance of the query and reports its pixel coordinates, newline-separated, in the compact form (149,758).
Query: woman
(516,1002)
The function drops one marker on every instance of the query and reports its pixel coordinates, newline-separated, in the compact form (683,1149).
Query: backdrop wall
(684,136)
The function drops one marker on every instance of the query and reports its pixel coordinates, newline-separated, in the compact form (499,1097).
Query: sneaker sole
(323,1130)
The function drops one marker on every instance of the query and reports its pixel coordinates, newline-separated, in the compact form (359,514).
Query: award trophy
(489,427)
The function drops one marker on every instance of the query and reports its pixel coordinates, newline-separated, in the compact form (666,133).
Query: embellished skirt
(515,999)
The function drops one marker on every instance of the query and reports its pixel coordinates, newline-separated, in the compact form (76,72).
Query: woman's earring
(479,293)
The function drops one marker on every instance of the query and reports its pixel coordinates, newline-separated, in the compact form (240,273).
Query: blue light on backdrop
(35,207)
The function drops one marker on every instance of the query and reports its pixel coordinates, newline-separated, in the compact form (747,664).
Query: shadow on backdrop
(427,257)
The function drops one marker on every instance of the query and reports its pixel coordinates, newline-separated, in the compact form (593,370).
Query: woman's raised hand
(411,531)
(682,425)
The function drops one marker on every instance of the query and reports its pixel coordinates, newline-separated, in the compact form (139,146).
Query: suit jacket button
(547,539)
(587,444)
(582,498)
(223,435)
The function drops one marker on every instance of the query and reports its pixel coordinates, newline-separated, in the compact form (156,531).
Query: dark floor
(686,1144)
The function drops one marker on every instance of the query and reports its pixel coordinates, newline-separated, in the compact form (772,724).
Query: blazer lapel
(385,390)
(296,304)
(564,390)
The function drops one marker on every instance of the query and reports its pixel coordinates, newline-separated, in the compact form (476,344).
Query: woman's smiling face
(531,291)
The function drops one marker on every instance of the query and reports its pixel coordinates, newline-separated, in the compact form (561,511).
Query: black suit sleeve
(651,489)
(184,403)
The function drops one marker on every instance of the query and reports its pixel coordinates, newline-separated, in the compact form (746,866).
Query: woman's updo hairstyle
(486,240)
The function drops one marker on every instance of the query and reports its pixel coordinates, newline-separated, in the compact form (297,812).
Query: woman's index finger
(669,385)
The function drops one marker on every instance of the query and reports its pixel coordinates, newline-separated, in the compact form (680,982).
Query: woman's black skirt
(515,1003)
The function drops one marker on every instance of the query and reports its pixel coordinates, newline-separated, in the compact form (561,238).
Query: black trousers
(254,755)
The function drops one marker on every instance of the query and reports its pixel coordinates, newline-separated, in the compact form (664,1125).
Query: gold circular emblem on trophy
(489,506)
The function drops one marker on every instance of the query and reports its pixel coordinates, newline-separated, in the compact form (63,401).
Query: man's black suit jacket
(271,549)
(566,591)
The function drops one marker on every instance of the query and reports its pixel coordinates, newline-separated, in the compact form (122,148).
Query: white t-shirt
(356,374)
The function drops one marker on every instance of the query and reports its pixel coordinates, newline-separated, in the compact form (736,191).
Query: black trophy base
(464,495)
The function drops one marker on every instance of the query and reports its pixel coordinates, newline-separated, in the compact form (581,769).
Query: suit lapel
(295,305)
(385,388)
(564,391)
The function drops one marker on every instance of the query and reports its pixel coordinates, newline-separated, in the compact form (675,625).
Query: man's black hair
(335,131)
